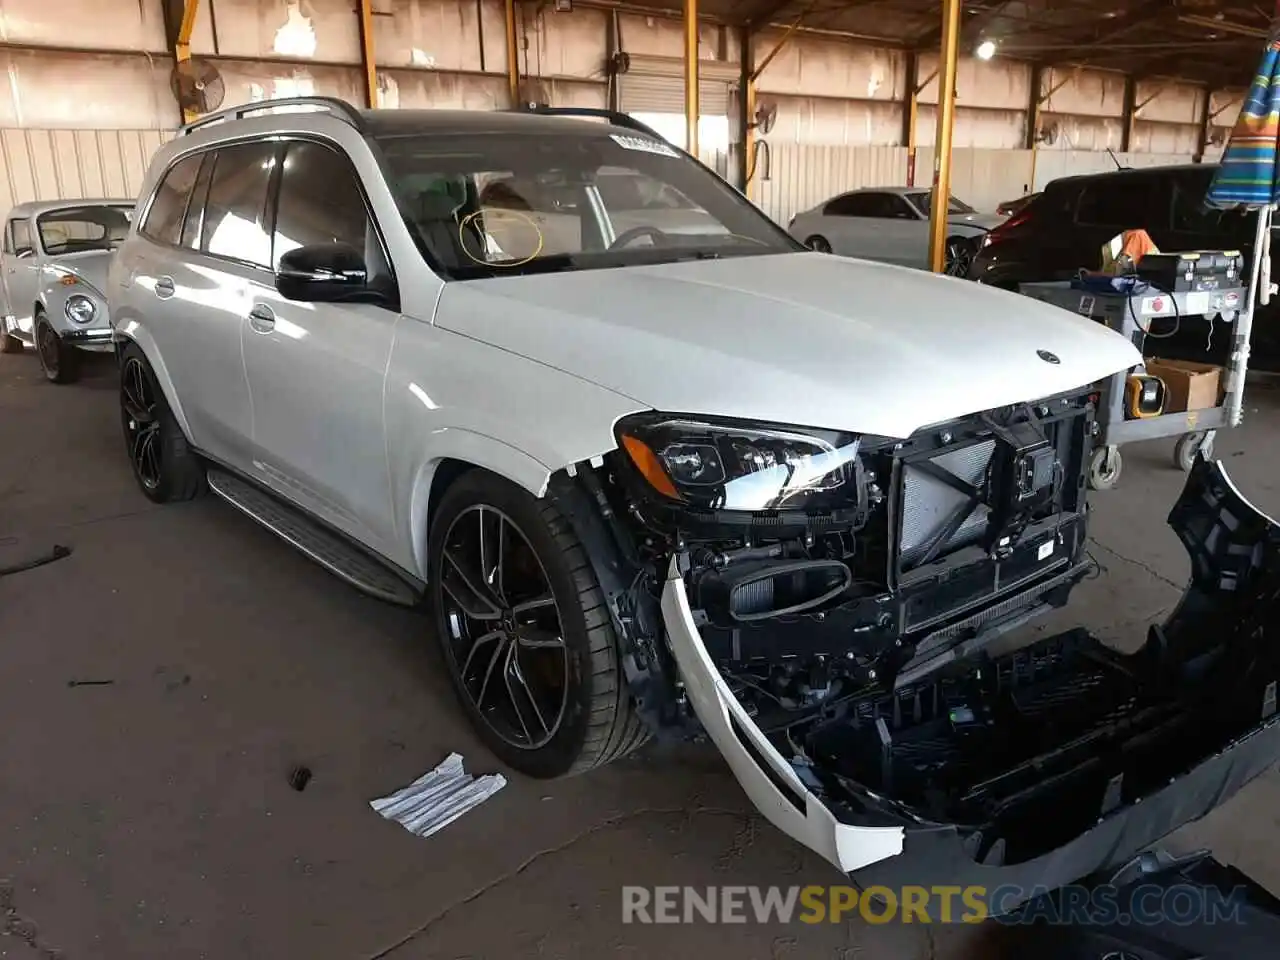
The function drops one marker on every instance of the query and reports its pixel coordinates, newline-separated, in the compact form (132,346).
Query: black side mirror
(323,272)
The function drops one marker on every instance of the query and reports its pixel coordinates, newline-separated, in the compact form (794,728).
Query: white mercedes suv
(660,480)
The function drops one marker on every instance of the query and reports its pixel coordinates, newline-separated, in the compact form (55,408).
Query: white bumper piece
(796,811)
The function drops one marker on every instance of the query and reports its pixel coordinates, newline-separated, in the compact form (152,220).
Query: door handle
(262,319)
(164,287)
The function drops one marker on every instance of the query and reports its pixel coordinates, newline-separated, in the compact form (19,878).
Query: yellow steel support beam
(513,55)
(950,55)
(911,114)
(691,76)
(182,46)
(368,59)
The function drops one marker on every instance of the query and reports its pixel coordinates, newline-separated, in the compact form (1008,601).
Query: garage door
(656,85)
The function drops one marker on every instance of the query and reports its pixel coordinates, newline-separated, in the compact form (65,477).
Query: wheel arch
(138,337)
(456,453)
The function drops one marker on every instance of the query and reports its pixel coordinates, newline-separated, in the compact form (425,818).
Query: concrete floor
(151,817)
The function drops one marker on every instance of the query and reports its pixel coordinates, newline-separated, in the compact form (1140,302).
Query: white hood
(804,339)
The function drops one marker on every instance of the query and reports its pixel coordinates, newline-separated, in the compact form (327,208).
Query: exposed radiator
(929,505)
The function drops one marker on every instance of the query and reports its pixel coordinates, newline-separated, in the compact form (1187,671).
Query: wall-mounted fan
(766,116)
(1048,135)
(197,86)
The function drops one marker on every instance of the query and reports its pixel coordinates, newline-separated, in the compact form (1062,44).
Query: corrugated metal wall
(77,65)
(69,164)
(803,176)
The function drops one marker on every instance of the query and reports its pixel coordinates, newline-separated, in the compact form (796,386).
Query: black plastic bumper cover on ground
(1228,623)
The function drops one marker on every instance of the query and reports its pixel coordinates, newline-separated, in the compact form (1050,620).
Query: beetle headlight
(748,467)
(80,309)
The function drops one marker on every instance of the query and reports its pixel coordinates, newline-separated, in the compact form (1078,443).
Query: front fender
(51,298)
(137,334)
(449,397)
(474,449)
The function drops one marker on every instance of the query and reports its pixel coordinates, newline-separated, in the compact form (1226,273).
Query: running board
(324,547)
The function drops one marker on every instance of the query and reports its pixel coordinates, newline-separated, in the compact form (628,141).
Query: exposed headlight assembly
(80,309)
(748,467)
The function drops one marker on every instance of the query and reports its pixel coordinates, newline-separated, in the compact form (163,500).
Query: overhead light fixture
(564,6)
(986,50)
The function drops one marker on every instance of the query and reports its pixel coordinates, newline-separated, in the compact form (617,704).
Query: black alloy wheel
(818,244)
(504,634)
(141,423)
(959,257)
(59,362)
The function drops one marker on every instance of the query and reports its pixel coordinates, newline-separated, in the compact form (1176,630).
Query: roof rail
(332,105)
(616,117)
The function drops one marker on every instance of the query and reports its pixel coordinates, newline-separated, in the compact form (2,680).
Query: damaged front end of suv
(822,605)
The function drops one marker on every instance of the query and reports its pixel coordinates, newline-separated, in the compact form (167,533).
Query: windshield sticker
(644,145)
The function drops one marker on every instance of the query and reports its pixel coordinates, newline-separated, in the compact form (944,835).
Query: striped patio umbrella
(1247,175)
(1247,179)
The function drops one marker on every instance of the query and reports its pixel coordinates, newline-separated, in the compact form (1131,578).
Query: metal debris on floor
(438,798)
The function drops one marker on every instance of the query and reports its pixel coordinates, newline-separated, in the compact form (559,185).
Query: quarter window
(235,211)
(191,226)
(164,218)
(320,202)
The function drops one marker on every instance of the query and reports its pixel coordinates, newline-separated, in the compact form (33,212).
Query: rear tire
(818,244)
(60,363)
(8,342)
(165,466)
(959,257)
(522,553)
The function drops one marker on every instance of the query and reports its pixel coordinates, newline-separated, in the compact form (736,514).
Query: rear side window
(1125,203)
(850,205)
(235,211)
(164,218)
(879,206)
(320,201)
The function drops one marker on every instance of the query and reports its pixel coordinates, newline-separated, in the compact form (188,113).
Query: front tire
(525,631)
(60,363)
(165,466)
(818,244)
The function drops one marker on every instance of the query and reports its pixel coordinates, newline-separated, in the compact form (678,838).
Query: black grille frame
(943,494)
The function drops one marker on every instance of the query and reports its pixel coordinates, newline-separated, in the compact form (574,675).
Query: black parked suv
(1064,229)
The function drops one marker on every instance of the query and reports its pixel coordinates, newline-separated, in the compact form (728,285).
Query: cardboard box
(1189,385)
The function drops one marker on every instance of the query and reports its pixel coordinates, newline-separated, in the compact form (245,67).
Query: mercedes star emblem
(1047,357)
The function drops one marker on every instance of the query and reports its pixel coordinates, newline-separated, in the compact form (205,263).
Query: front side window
(320,202)
(1125,202)
(235,211)
(164,217)
(22,238)
(77,229)
(493,204)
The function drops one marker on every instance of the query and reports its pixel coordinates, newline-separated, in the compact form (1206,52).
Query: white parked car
(53,269)
(662,483)
(891,224)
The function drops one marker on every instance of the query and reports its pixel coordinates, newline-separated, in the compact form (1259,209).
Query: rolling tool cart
(1128,400)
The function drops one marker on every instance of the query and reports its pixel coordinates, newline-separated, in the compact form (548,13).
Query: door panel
(195,296)
(316,370)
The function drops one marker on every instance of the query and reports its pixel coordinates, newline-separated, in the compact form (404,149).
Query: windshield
(496,204)
(923,202)
(74,229)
